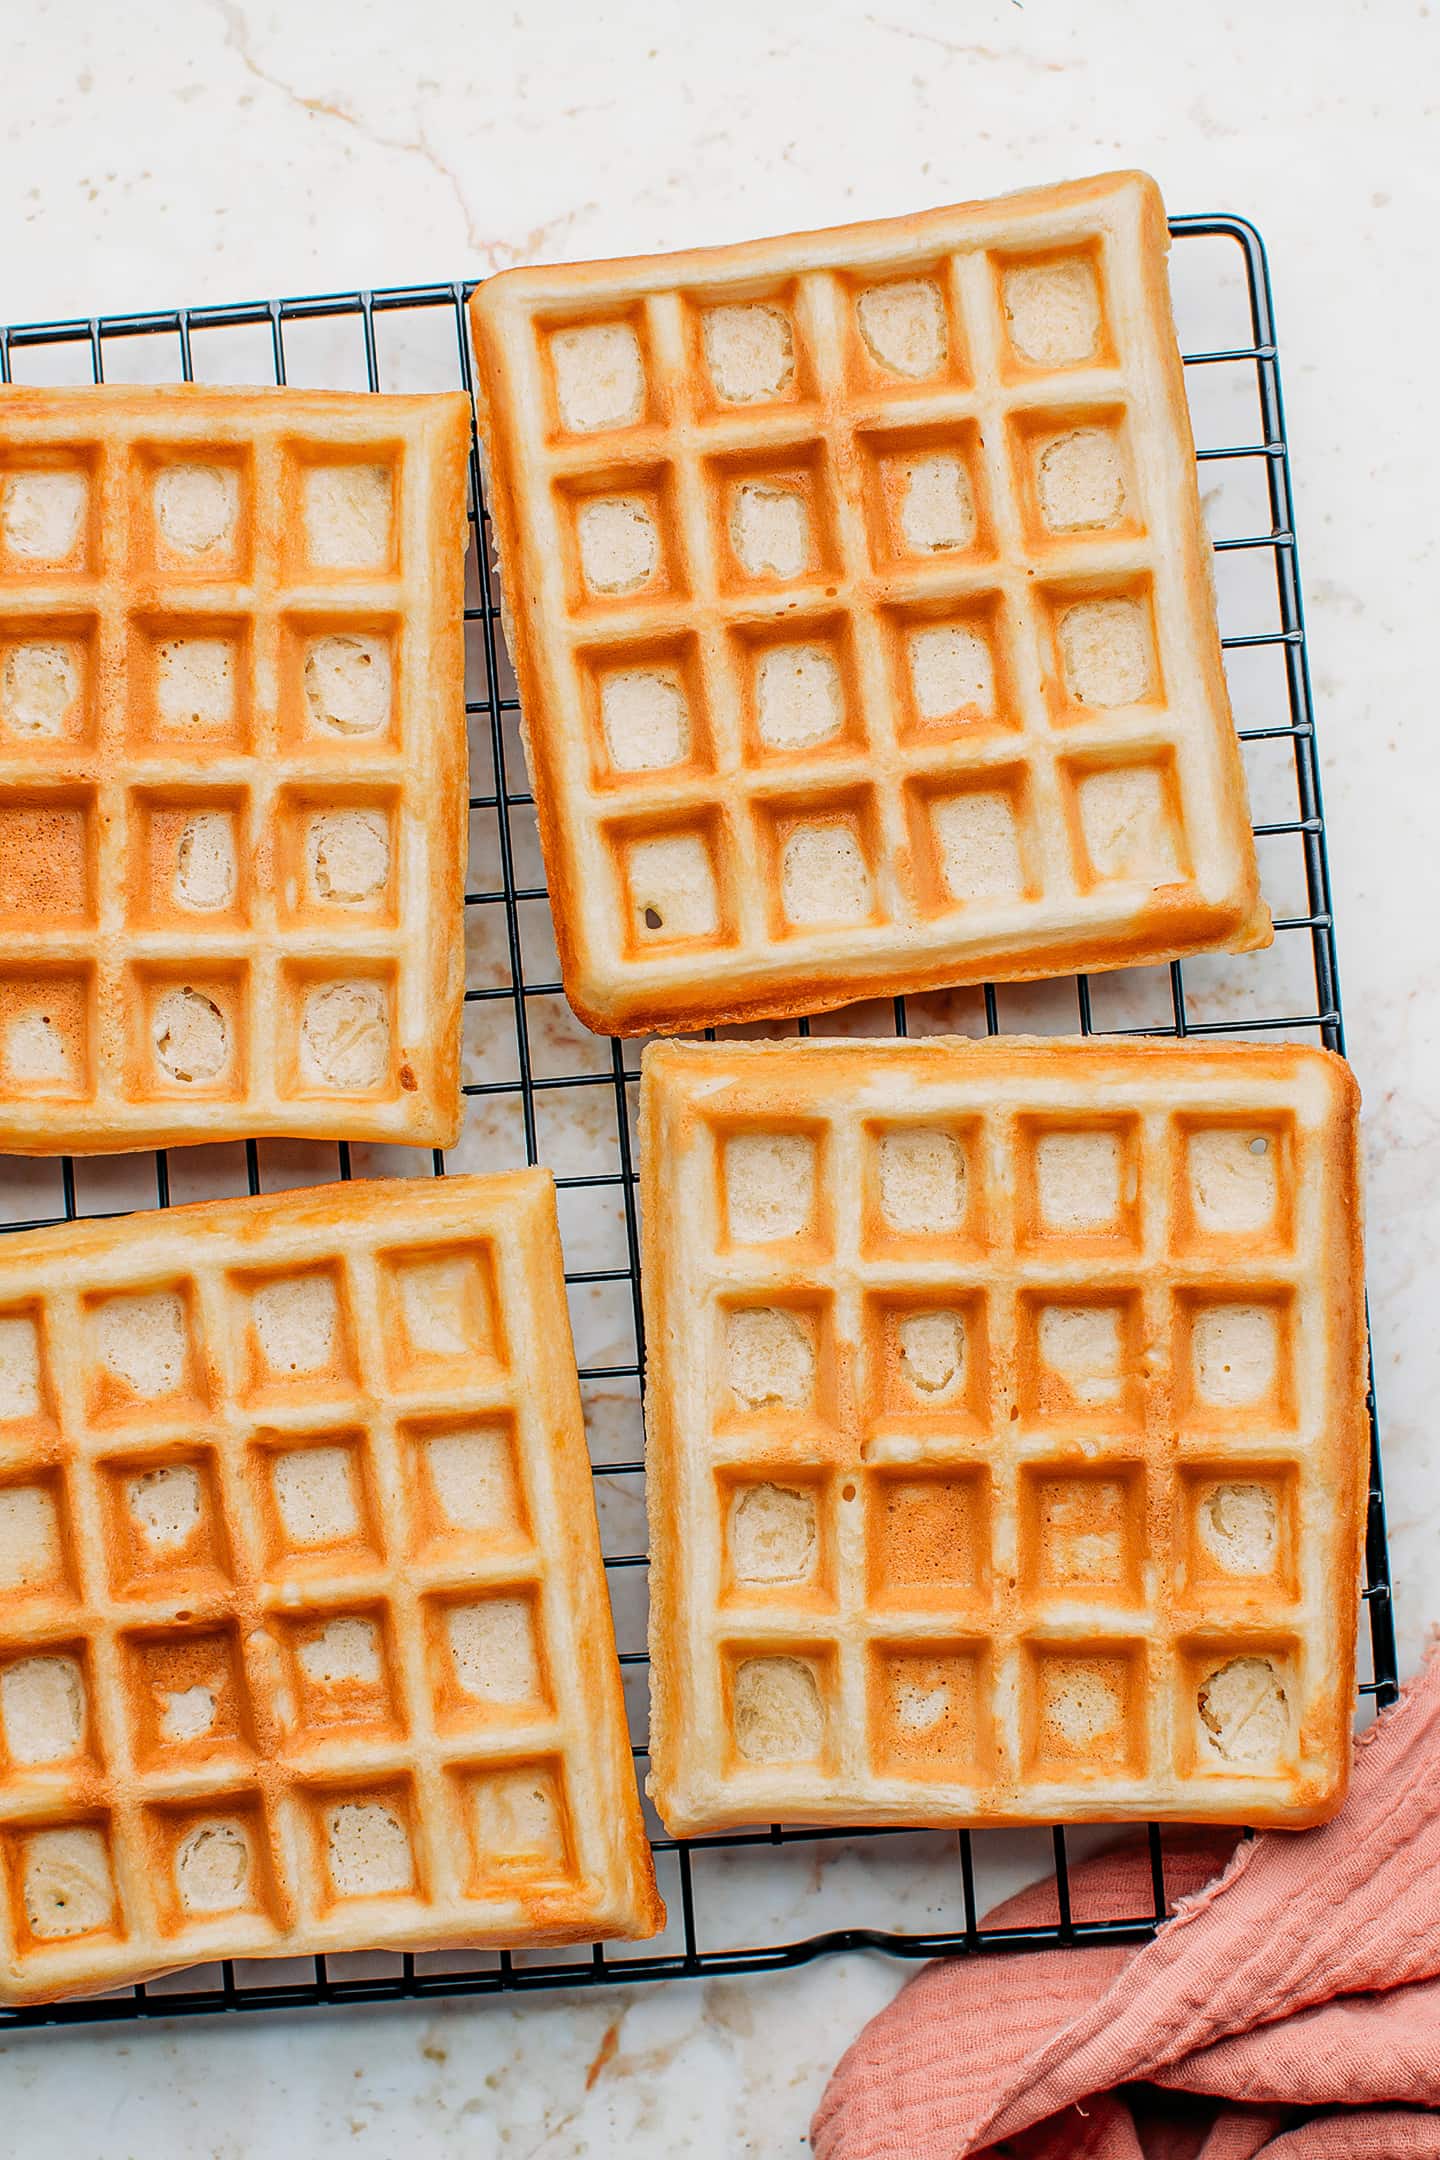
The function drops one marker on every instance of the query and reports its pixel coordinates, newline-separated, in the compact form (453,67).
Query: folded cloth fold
(1296,1991)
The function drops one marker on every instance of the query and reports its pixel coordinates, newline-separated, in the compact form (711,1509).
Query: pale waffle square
(232,766)
(304,1637)
(861,604)
(1006,1431)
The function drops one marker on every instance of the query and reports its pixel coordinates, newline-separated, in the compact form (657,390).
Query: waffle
(232,766)
(861,606)
(1006,1431)
(304,1639)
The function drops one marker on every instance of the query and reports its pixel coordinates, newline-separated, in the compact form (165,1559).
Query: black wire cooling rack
(541,1088)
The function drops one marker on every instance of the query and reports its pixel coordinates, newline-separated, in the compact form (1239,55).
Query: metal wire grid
(247,1988)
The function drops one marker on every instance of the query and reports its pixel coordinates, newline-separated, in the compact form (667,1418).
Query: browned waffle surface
(304,1641)
(1006,1431)
(861,605)
(232,765)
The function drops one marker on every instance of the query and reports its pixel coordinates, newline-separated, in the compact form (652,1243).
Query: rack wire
(541,1087)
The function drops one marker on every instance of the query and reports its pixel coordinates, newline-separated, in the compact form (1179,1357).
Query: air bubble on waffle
(1234,1186)
(345,1035)
(315,1495)
(473,1476)
(1244,1715)
(937,504)
(1125,818)
(645,716)
(1077,1180)
(778,1713)
(749,350)
(1080,481)
(348,683)
(42,512)
(1081,1345)
(187,1714)
(773,1533)
(30,1555)
(39,689)
(769,1185)
(922,1181)
(195,683)
(349,516)
(66,1884)
(770,530)
(599,376)
(619,543)
(1052,310)
(672,886)
(197,507)
(952,671)
(799,696)
(213,1867)
(344,1652)
(932,1351)
(769,1359)
(493,1650)
(517,1820)
(1236,1353)
(205,864)
(165,1505)
(1239,1526)
(824,876)
(297,1323)
(349,856)
(190,1036)
(978,845)
(143,1342)
(42,1709)
(367,1850)
(1106,652)
(903,326)
(20,1370)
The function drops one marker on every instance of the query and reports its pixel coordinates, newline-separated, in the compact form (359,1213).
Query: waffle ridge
(862,609)
(304,1639)
(232,766)
(1005,1431)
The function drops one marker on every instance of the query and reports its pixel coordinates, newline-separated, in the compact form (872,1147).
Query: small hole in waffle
(367,1849)
(769,1358)
(212,1868)
(348,688)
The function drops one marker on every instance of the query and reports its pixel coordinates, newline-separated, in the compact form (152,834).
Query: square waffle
(861,605)
(232,766)
(1006,1431)
(304,1638)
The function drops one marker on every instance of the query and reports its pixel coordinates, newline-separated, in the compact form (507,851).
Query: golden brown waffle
(232,766)
(1006,1431)
(304,1640)
(861,605)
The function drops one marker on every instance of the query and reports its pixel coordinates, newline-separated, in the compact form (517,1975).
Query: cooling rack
(542,1089)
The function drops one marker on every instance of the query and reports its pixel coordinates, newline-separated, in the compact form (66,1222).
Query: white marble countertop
(205,150)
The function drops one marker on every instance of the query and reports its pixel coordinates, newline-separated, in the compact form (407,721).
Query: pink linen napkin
(1291,2008)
